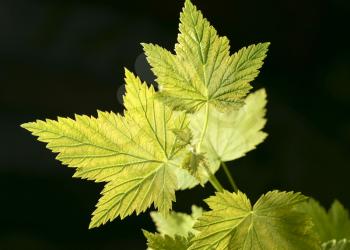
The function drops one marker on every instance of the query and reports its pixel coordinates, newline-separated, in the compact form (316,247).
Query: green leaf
(343,244)
(332,225)
(231,135)
(165,242)
(197,165)
(202,70)
(272,223)
(184,136)
(177,223)
(184,179)
(137,154)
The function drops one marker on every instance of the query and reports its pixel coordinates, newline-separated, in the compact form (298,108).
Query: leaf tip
(25,125)
(96,221)
(267,44)
(92,225)
(31,126)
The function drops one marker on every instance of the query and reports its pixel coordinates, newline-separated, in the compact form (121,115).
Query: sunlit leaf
(272,223)
(137,154)
(202,71)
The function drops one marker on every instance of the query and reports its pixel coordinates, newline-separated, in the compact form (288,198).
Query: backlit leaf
(230,135)
(202,71)
(272,223)
(137,154)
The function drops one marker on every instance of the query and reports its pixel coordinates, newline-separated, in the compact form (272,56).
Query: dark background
(66,57)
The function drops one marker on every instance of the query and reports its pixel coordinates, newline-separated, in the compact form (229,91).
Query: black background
(66,57)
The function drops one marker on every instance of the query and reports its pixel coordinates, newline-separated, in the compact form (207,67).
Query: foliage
(177,223)
(136,154)
(333,226)
(178,137)
(272,223)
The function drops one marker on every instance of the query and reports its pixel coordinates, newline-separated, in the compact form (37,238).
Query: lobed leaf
(334,225)
(137,154)
(272,223)
(202,71)
(165,242)
(230,135)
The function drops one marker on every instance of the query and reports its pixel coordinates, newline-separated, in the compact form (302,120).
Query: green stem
(229,176)
(212,179)
(204,128)
(216,184)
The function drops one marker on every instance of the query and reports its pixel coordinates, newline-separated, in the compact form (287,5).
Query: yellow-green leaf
(165,242)
(272,223)
(334,224)
(177,223)
(230,135)
(202,70)
(137,154)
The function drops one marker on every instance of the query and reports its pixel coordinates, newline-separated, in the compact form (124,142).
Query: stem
(215,183)
(204,128)
(212,179)
(229,176)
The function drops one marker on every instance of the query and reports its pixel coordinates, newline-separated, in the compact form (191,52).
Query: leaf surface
(230,135)
(334,224)
(165,242)
(202,71)
(176,223)
(272,223)
(137,154)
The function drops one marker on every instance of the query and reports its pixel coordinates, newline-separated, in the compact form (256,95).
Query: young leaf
(231,135)
(137,154)
(177,223)
(343,244)
(332,225)
(197,166)
(272,223)
(202,71)
(165,242)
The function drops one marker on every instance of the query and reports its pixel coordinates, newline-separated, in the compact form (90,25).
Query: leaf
(184,179)
(165,242)
(272,223)
(177,223)
(202,71)
(332,225)
(137,154)
(232,134)
(176,230)
(197,165)
(343,244)
(184,136)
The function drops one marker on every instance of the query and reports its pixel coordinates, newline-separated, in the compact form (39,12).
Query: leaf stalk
(229,176)
(212,179)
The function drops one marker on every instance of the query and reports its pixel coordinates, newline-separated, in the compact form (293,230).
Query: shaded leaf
(334,224)
(230,135)
(165,242)
(177,223)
